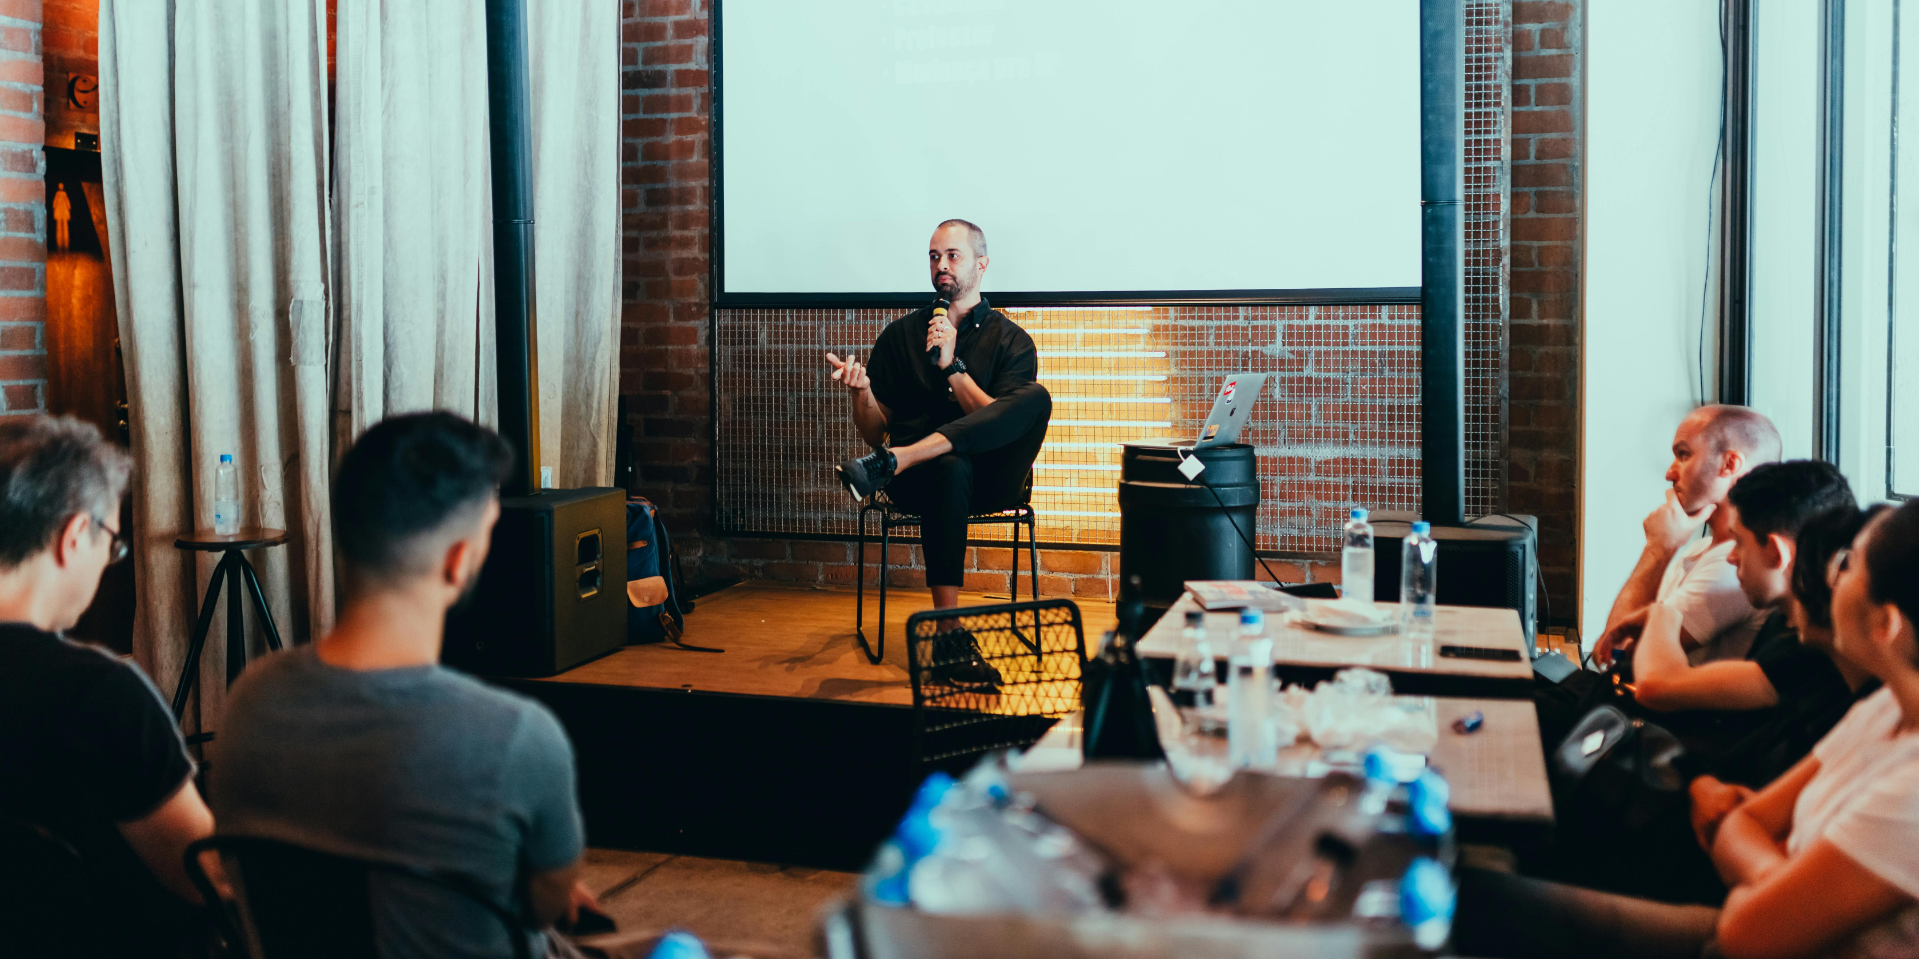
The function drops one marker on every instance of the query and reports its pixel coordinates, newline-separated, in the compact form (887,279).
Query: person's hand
(1712,800)
(940,334)
(1669,526)
(850,373)
(1620,637)
(581,898)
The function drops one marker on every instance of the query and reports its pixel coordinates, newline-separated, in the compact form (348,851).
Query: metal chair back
(299,903)
(1039,651)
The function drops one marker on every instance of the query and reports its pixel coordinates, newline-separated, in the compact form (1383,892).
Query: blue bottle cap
(1252,616)
(1359,513)
(1422,527)
(1428,797)
(226,457)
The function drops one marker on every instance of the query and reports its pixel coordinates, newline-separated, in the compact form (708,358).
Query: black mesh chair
(892,516)
(1038,648)
(298,903)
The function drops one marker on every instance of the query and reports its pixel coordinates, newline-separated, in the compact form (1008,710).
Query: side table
(238,576)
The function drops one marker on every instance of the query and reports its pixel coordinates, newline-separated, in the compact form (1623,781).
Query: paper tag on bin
(1190,467)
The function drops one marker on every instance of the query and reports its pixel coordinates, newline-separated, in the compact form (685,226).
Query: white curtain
(414,211)
(214,142)
(226,238)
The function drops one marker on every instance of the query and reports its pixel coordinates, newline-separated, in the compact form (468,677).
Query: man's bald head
(1740,429)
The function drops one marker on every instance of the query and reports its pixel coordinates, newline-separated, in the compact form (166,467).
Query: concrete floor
(740,907)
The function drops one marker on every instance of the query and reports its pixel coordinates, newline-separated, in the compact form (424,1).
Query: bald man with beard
(1686,562)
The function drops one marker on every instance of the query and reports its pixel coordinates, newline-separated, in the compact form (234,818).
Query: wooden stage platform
(786,640)
(789,747)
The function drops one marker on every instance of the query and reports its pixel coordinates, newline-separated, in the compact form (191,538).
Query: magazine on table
(1215,595)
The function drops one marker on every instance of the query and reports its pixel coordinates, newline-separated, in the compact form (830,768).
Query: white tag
(546,477)
(1190,467)
(1592,742)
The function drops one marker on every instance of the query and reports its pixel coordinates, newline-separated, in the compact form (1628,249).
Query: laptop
(1230,409)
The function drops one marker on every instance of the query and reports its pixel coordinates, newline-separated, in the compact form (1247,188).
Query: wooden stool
(239,577)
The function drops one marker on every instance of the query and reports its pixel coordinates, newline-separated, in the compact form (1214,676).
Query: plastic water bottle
(1356,560)
(1249,692)
(226,497)
(1418,582)
(1194,679)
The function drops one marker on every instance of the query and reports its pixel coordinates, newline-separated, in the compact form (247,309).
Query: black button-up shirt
(998,354)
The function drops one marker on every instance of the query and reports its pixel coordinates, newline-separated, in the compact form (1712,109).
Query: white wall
(1652,121)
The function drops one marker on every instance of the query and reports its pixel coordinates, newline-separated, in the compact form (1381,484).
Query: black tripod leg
(190,671)
(236,626)
(260,604)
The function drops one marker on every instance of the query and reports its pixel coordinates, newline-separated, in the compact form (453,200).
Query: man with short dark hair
(88,752)
(954,413)
(362,745)
(1765,511)
(1714,446)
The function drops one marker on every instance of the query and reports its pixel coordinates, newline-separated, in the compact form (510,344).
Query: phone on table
(1480,652)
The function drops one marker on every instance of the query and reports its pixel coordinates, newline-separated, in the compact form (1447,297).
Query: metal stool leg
(260,604)
(1033,643)
(859,586)
(1032,546)
(878,655)
(1012,583)
(190,670)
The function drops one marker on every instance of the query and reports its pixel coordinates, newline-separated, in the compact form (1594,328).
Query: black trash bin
(1172,529)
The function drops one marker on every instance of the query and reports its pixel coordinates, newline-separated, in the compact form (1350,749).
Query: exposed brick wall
(1543,439)
(23,246)
(665,374)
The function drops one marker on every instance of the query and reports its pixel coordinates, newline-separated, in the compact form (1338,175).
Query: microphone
(939,310)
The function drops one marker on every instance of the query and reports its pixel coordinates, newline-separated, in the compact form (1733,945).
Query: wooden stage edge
(787,748)
(790,640)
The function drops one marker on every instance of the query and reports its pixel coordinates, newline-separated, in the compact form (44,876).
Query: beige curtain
(214,142)
(414,219)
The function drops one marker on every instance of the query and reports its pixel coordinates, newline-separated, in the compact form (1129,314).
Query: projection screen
(1209,150)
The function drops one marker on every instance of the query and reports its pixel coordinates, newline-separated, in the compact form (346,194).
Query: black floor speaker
(553,592)
(1491,561)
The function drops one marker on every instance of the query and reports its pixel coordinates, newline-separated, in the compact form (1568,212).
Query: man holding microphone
(950,403)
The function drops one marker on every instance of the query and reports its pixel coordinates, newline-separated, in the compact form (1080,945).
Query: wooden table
(1497,775)
(1307,656)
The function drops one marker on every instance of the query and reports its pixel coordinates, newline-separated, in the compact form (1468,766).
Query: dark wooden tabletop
(249,537)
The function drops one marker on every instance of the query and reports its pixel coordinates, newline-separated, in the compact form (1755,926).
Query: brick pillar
(1543,442)
(663,346)
(23,243)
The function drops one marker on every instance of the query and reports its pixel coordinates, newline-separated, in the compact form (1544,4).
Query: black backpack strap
(672,615)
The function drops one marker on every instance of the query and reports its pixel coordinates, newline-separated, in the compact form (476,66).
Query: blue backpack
(654,608)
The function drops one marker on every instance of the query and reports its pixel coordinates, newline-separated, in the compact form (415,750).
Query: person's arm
(967,392)
(552,896)
(1712,801)
(1752,838)
(1665,681)
(1667,529)
(161,837)
(870,416)
(1804,907)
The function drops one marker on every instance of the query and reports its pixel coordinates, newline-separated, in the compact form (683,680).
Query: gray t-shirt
(422,766)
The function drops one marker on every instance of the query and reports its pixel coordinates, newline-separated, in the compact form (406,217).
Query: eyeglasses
(120,548)
(1840,562)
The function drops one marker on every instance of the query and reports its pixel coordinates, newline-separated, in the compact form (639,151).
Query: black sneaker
(957,661)
(861,475)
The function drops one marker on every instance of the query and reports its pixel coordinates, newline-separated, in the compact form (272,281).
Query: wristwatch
(955,368)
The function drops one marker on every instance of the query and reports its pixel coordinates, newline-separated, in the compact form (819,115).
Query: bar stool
(238,576)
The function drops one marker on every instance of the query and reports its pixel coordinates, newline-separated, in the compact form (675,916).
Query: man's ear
(1732,463)
(983,261)
(66,543)
(453,565)
(1780,550)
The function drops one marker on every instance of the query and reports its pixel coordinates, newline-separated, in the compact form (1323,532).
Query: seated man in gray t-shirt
(362,744)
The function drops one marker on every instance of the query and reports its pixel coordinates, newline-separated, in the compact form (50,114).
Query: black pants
(1503,916)
(993,449)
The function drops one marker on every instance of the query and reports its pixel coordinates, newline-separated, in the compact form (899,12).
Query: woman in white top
(1822,862)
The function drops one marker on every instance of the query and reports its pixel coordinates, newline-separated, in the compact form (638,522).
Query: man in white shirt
(1713,447)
